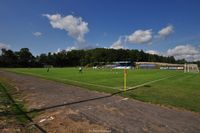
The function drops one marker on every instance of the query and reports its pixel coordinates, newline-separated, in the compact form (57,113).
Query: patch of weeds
(9,108)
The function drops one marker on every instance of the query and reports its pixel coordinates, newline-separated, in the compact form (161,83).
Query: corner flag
(125,76)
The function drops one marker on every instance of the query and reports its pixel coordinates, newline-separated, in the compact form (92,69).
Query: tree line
(90,57)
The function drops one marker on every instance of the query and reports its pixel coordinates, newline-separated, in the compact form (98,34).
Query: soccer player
(80,69)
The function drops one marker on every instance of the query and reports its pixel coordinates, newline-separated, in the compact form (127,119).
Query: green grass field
(178,89)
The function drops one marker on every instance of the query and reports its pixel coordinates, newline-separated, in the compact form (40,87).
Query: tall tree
(8,58)
(26,59)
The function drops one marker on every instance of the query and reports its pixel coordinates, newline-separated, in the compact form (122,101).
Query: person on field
(48,68)
(80,69)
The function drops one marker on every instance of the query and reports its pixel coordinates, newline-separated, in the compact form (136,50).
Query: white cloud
(58,50)
(71,48)
(74,26)
(153,52)
(166,31)
(37,34)
(119,44)
(140,37)
(4,46)
(143,37)
(188,52)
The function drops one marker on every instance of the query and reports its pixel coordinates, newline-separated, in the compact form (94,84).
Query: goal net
(193,68)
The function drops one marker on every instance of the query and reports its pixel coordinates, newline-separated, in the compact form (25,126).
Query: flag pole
(125,76)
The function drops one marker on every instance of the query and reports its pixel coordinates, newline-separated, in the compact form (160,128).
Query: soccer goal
(193,68)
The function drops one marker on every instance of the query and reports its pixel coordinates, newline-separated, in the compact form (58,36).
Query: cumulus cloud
(137,37)
(71,48)
(4,46)
(143,37)
(140,37)
(37,34)
(74,26)
(58,50)
(188,52)
(153,52)
(119,44)
(166,31)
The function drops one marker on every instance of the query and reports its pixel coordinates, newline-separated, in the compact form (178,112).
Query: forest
(88,57)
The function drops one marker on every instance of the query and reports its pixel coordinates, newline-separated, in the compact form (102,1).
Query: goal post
(191,68)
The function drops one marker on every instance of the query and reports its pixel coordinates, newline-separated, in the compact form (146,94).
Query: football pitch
(165,87)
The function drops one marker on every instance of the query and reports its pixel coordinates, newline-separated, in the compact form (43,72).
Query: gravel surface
(65,108)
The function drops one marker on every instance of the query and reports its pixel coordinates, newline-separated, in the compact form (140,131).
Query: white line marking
(115,88)
(186,77)
(150,82)
(90,84)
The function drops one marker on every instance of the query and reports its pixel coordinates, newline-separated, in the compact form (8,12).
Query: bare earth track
(65,108)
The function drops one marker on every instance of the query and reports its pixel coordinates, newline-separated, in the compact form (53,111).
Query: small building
(147,66)
(159,65)
(123,65)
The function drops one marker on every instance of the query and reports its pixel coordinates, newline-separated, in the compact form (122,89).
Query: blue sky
(170,27)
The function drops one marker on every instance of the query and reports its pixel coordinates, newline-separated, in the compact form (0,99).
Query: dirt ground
(63,109)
